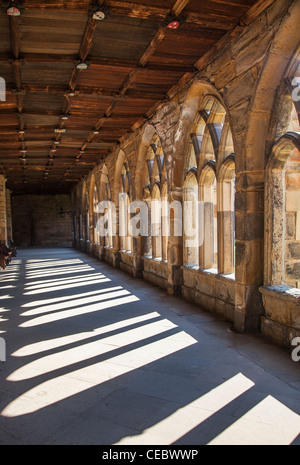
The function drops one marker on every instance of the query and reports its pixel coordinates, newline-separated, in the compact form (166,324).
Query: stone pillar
(116,241)
(138,260)
(9,215)
(249,251)
(3,224)
(175,245)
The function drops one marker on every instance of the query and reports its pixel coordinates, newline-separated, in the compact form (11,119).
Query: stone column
(116,241)
(3,224)
(9,215)
(175,245)
(249,250)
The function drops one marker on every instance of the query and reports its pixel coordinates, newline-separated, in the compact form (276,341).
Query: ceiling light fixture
(173,24)
(64,117)
(13,11)
(99,15)
(82,65)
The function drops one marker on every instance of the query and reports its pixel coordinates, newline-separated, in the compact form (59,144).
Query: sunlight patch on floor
(91,281)
(79,300)
(63,387)
(78,312)
(51,344)
(190,416)
(89,350)
(59,272)
(41,302)
(61,281)
(268,423)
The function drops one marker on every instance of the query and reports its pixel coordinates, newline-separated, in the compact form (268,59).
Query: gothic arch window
(84,217)
(191,220)
(95,213)
(105,199)
(283,198)
(210,182)
(226,216)
(126,238)
(208,200)
(156,196)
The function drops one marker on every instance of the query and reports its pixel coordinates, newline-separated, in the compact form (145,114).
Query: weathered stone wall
(246,77)
(37,220)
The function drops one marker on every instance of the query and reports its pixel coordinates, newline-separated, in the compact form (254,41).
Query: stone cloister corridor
(94,356)
(149,222)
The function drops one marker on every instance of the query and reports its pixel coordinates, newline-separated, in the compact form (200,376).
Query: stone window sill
(282,292)
(127,252)
(208,271)
(157,259)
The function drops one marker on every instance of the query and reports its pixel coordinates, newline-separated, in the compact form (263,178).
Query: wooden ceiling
(134,62)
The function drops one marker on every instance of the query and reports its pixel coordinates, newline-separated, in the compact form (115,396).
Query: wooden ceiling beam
(179,6)
(16,63)
(85,46)
(88,92)
(96,62)
(152,47)
(258,8)
(15,35)
(68,148)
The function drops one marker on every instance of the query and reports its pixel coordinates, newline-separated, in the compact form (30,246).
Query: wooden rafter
(120,90)
(179,6)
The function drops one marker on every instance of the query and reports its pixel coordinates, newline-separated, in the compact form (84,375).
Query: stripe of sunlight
(41,320)
(65,358)
(11,269)
(268,423)
(79,301)
(65,386)
(50,344)
(69,301)
(9,277)
(42,280)
(59,281)
(55,263)
(56,266)
(37,303)
(186,418)
(38,260)
(68,286)
(60,271)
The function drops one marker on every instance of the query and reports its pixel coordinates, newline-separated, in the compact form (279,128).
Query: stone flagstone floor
(95,357)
